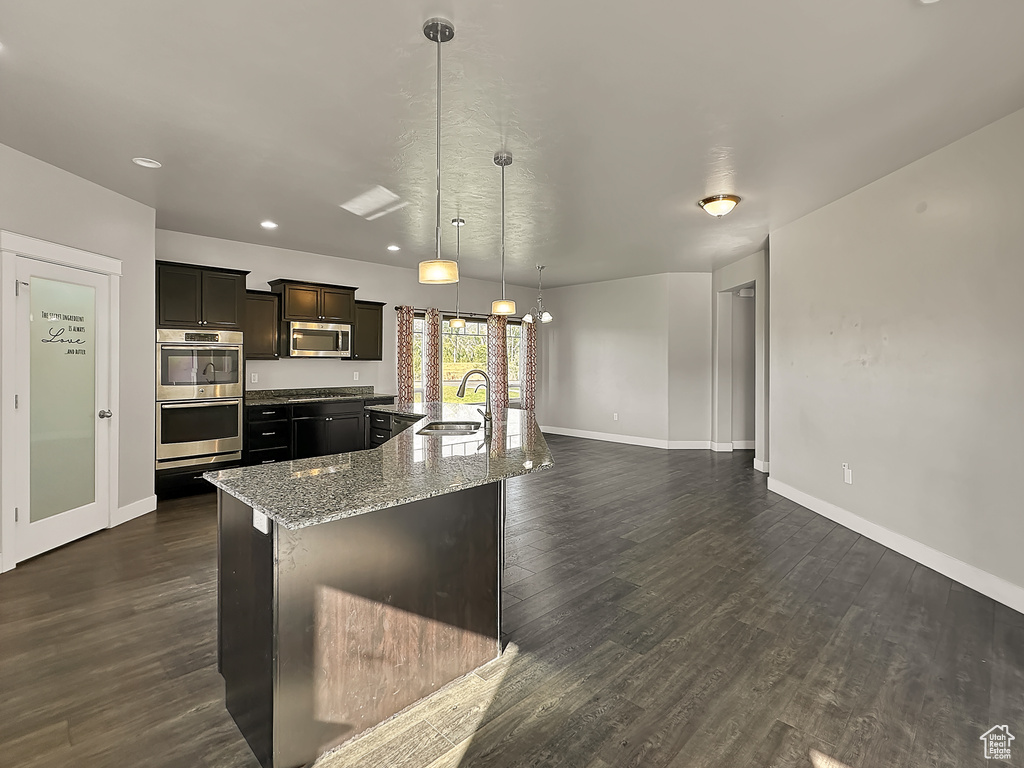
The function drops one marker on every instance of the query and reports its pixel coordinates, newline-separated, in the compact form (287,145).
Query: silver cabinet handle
(268,434)
(105,414)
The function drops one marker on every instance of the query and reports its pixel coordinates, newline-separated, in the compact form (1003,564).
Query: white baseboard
(743,445)
(721,447)
(2,569)
(969,575)
(761,466)
(689,445)
(133,510)
(647,442)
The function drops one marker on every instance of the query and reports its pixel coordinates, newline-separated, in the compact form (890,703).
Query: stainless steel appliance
(319,340)
(198,432)
(194,365)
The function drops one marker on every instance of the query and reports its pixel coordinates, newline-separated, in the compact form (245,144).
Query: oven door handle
(205,404)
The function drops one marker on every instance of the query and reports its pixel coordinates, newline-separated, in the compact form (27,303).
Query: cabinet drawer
(269,434)
(270,455)
(379,437)
(266,412)
(379,421)
(327,409)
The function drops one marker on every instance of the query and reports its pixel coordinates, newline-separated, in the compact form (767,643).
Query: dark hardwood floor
(662,608)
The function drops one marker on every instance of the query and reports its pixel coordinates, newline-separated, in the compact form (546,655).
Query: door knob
(105,414)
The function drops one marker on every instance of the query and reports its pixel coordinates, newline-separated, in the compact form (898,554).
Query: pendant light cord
(458,253)
(437,234)
(503,233)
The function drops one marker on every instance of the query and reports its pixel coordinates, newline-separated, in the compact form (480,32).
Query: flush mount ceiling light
(394,248)
(268,224)
(438,271)
(538,312)
(457,321)
(503,306)
(145,162)
(719,205)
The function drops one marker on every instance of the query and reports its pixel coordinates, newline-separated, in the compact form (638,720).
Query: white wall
(896,346)
(376,282)
(743,367)
(42,201)
(638,347)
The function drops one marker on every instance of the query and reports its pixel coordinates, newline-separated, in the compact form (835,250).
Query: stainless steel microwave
(320,340)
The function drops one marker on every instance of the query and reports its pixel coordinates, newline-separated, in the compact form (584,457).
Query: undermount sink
(450,428)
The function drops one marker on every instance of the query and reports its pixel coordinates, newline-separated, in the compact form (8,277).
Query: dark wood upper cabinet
(188,296)
(368,331)
(314,302)
(261,325)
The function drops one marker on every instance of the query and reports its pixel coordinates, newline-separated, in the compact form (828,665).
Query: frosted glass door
(62,397)
(61,428)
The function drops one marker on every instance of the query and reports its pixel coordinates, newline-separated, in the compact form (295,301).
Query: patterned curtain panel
(528,367)
(497,361)
(405,370)
(432,357)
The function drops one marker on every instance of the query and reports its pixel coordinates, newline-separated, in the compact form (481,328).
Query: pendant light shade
(438,271)
(503,306)
(457,322)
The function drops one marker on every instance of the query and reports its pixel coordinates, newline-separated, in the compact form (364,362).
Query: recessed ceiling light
(145,162)
(394,248)
(719,205)
(268,224)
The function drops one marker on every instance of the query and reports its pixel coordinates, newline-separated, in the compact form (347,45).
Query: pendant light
(503,306)
(541,314)
(438,271)
(457,321)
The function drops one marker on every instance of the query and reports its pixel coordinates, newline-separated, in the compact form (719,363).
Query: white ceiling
(619,116)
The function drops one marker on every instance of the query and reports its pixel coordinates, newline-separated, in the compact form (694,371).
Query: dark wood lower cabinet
(322,435)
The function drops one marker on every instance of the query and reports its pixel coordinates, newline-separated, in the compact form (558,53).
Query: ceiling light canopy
(719,205)
(503,306)
(145,162)
(438,271)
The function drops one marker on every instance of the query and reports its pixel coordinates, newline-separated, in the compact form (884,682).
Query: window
(514,349)
(462,350)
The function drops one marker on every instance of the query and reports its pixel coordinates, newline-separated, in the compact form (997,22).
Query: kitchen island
(354,584)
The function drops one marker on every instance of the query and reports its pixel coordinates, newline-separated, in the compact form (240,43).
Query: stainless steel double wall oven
(199,391)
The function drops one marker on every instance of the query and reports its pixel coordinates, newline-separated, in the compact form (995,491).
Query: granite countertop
(409,467)
(320,394)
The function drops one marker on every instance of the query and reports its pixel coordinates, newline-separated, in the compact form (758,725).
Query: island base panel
(373,612)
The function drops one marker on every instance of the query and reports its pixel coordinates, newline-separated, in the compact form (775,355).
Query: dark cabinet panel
(309,436)
(223,299)
(323,435)
(178,291)
(310,302)
(261,325)
(188,296)
(337,305)
(368,331)
(301,303)
(345,433)
(268,433)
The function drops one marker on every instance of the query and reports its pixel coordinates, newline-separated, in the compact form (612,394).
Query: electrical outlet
(355,375)
(254,378)
(847,474)
(615,417)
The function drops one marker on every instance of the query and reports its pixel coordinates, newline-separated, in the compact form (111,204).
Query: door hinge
(15,402)
(17,286)
(15,514)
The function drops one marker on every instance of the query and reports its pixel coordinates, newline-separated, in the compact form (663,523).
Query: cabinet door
(302,303)
(261,326)
(223,300)
(309,437)
(337,305)
(344,433)
(178,291)
(369,332)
